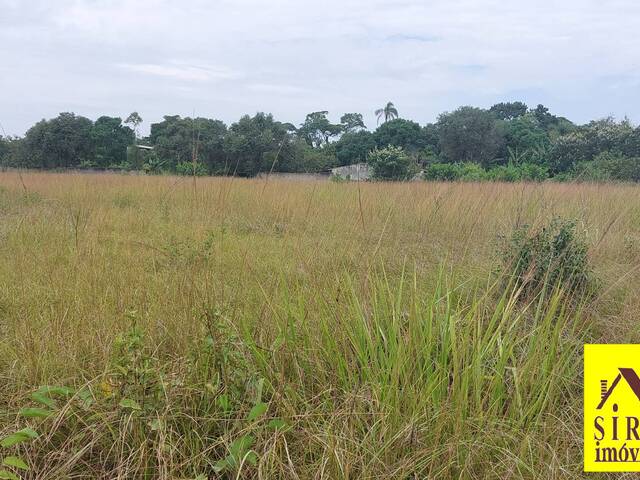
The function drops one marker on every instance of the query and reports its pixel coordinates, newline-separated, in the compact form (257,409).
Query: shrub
(153,164)
(606,167)
(391,163)
(519,172)
(585,172)
(187,169)
(505,173)
(443,172)
(123,166)
(615,167)
(555,254)
(534,172)
(471,172)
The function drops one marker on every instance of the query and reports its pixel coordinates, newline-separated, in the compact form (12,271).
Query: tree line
(508,141)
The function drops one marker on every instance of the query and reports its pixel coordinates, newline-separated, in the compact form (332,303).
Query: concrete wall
(356,172)
(294,176)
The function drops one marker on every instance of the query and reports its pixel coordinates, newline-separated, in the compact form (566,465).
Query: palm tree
(389,112)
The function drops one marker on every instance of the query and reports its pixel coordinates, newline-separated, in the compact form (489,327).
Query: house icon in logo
(629,375)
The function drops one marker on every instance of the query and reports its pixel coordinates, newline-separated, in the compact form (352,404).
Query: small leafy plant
(46,396)
(554,254)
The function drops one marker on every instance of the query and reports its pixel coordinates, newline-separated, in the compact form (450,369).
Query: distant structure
(137,154)
(294,176)
(357,172)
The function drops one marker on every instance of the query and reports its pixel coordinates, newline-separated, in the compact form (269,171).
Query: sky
(223,59)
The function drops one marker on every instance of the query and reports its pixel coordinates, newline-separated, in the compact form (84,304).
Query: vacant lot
(274,329)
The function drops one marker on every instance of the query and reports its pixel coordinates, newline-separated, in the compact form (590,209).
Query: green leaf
(202,476)
(29,432)
(86,397)
(240,446)
(35,412)
(277,424)
(155,424)
(128,403)
(259,387)
(224,403)
(231,462)
(52,390)
(16,462)
(43,399)
(18,437)
(258,410)
(6,475)
(251,458)
(220,466)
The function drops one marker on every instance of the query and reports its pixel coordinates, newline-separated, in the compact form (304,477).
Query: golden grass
(285,263)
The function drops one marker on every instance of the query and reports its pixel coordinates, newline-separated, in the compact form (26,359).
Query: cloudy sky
(222,58)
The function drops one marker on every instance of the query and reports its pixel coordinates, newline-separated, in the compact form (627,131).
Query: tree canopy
(508,110)
(506,141)
(470,134)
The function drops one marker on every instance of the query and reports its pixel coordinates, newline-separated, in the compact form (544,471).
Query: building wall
(294,176)
(356,172)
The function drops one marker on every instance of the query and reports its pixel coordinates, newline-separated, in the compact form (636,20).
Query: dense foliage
(508,142)
(552,254)
(391,163)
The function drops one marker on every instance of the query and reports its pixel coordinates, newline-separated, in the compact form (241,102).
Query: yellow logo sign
(612,408)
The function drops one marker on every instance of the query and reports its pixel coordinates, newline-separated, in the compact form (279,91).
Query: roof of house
(630,376)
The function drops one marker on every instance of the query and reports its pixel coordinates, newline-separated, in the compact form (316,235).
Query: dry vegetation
(254,329)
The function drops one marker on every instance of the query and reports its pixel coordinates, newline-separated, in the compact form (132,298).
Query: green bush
(473,172)
(391,163)
(605,167)
(554,254)
(153,164)
(123,166)
(505,173)
(446,172)
(608,166)
(534,172)
(187,169)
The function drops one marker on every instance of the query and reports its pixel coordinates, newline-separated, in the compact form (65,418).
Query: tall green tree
(134,119)
(526,140)
(401,133)
(470,134)
(110,140)
(585,143)
(508,110)
(352,122)
(353,147)
(176,140)
(317,130)
(5,151)
(258,144)
(388,112)
(62,142)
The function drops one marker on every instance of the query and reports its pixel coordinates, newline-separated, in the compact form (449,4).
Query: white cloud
(184,72)
(229,57)
(277,88)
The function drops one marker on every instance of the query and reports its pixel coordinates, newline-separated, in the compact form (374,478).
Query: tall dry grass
(252,329)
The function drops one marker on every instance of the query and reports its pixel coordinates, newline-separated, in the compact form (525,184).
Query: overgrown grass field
(153,327)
